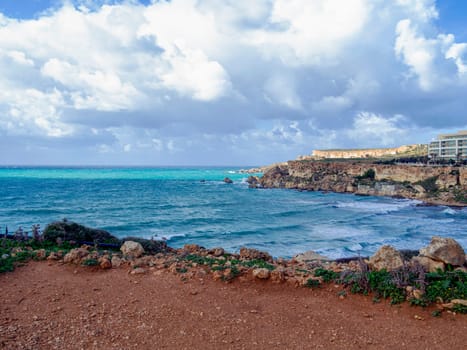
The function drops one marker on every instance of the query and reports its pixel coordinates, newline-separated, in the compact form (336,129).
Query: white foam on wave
(451,211)
(339,232)
(375,207)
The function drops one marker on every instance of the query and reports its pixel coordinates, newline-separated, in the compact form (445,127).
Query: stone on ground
(446,250)
(132,249)
(387,258)
(261,273)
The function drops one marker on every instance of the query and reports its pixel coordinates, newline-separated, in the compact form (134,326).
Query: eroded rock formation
(433,184)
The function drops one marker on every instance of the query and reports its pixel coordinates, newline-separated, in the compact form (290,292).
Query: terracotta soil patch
(54,306)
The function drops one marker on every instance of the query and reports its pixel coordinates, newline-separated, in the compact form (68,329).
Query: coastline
(207,298)
(434,185)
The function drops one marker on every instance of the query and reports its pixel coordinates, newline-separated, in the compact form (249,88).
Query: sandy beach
(48,305)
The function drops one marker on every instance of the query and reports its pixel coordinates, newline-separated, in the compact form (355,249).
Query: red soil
(66,307)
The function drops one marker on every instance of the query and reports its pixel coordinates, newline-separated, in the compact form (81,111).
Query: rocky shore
(440,185)
(309,269)
(137,293)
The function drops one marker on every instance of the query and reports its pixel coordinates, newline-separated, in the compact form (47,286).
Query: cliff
(437,185)
(402,151)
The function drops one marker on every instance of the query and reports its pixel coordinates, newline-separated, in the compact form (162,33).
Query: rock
(116,261)
(192,248)
(71,231)
(41,254)
(253,254)
(386,258)
(217,252)
(278,275)
(138,271)
(105,263)
(417,294)
(75,256)
(55,256)
(5,256)
(309,256)
(132,249)
(428,264)
(446,250)
(150,246)
(143,261)
(455,302)
(261,273)
(253,182)
(217,275)
(228,180)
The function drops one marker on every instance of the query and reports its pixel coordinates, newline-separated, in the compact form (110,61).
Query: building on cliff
(449,146)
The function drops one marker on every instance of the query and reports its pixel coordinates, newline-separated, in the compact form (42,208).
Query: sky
(232,82)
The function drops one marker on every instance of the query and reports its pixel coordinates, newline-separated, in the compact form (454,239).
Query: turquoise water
(194,205)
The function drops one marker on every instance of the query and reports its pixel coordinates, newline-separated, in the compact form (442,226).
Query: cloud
(203,81)
(310,32)
(371,129)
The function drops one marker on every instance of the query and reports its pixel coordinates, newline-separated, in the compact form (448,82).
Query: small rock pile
(441,252)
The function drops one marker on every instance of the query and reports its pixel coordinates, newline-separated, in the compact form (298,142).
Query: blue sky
(206,82)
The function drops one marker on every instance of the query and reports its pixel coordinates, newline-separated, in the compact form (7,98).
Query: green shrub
(326,275)
(312,283)
(429,184)
(367,175)
(90,262)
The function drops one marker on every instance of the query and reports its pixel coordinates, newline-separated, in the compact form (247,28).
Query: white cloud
(192,74)
(310,32)
(32,112)
(204,78)
(422,9)
(417,52)
(372,129)
(457,52)
(20,58)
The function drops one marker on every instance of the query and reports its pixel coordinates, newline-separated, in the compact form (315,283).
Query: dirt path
(63,307)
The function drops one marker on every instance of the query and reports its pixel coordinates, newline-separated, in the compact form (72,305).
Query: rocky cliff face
(439,185)
(412,150)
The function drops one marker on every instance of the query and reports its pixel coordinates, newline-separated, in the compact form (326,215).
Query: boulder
(253,182)
(105,263)
(228,180)
(132,249)
(261,273)
(309,256)
(41,254)
(253,254)
(138,271)
(387,258)
(150,246)
(217,252)
(446,250)
(278,275)
(55,256)
(428,264)
(192,248)
(75,256)
(116,261)
(71,231)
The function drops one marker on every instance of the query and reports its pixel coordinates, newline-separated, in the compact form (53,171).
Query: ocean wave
(374,207)
(451,211)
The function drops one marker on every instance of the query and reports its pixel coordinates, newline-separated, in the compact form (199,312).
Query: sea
(194,205)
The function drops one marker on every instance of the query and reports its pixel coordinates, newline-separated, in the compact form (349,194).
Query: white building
(449,146)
